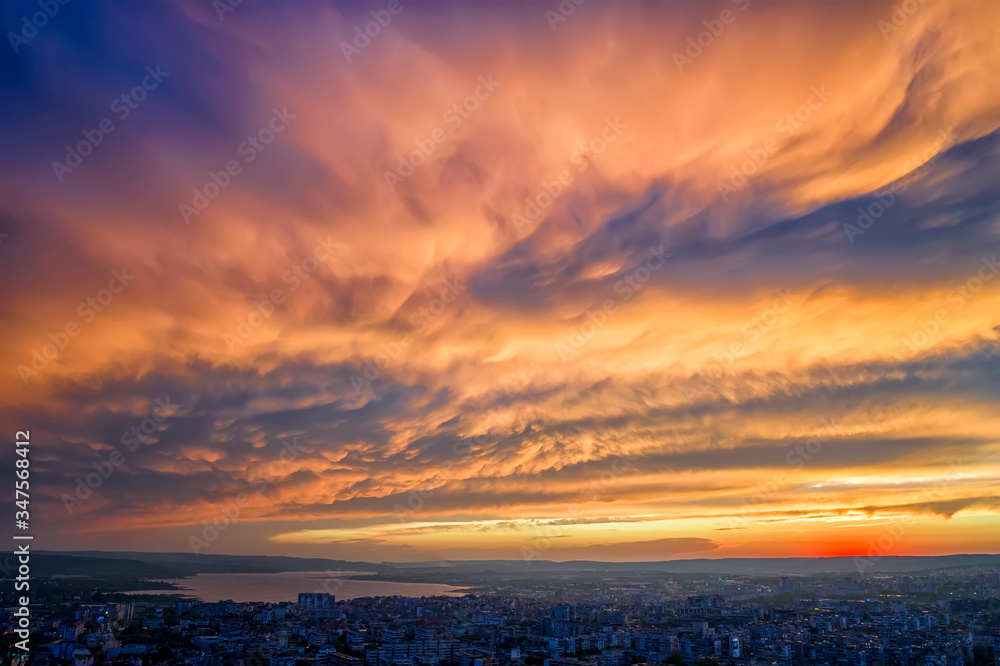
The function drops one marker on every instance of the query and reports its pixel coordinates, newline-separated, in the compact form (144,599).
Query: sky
(414,281)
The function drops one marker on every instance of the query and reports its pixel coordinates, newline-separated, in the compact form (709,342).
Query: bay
(286,586)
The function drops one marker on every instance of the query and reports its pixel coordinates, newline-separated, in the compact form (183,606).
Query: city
(949,617)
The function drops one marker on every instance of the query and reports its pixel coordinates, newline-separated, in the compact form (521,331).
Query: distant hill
(137,565)
(747,565)
(207,563)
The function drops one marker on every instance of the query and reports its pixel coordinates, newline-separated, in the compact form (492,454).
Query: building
(120,612)
(565,612)
(314,601)
(82,658)
(69,630)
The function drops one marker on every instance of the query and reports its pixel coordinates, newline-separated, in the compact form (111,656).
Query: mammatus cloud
(470,290)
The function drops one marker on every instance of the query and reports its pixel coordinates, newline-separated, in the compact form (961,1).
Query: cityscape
(949,616)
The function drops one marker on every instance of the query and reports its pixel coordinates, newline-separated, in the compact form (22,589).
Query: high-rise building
(565,612)
(120,611)
(313,601)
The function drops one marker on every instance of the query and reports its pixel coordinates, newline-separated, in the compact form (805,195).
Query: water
(276,587)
